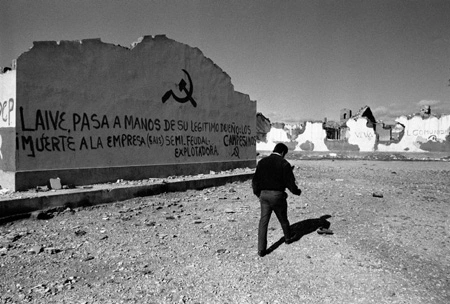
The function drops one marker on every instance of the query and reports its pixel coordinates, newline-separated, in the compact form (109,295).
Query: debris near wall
(57,186)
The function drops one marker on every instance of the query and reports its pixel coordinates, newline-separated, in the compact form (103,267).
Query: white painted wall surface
(314,133)
(418,131)
(7,99)
(273,137)
(361,135)
(7,121)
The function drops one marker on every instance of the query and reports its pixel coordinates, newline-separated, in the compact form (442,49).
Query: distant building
(420,132)
(345,115)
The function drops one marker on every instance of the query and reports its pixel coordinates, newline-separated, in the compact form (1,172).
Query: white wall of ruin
(7,99)
(361,135)
(420,135)
(417,131)
(7,125)
(275,136)
(315,134)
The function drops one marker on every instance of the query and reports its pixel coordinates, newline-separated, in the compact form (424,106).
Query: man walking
(272,176)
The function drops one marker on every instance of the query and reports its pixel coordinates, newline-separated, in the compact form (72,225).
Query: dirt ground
(390,244)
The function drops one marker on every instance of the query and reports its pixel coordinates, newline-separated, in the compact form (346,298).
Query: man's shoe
(291,239)
(262,253)
(322,230)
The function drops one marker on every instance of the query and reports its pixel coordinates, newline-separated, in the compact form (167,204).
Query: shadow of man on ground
(303,228)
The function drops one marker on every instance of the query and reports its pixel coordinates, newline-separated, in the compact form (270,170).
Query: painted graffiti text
(45,143)
(139,123)
(45,120)
(196,151)
(87,122)
(6,107)
(125,140)
(238,140)
(364,134)
(59,131)
(425,132)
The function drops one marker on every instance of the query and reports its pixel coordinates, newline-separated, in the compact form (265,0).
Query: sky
(300,60)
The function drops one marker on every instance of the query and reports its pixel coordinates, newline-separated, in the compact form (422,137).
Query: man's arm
(256,184)
(290,179)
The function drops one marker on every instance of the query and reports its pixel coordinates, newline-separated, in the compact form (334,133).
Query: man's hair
(281,148)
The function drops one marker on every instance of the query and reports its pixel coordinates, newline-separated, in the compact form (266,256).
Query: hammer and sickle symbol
(182,88)
(236,152)
(432,138)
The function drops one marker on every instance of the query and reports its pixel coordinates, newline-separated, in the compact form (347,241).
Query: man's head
(281,149)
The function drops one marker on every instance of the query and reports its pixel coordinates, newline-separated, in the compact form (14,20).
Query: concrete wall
(89,111)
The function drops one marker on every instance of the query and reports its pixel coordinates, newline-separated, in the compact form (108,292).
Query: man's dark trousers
(272,201)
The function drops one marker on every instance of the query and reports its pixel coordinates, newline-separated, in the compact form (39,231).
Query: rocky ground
(390,243)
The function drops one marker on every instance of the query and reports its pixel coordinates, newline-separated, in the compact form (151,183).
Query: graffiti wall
(7,98)
(89,104)
(361,135)
(7,120)
(421,135)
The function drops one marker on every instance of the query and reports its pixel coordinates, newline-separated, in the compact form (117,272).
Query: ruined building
(420,132)
(88,112)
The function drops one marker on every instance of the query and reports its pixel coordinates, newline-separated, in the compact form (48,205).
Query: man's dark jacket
(274,173)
